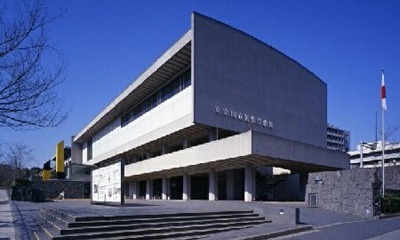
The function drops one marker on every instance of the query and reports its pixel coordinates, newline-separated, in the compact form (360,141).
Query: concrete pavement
(7,230)
(25,214)
(394,235)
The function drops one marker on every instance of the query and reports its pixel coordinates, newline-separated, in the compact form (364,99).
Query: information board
(106,185)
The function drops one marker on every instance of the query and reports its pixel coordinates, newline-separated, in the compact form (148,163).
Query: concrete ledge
(388,215)
(263,231)
(274,234)
(279,214)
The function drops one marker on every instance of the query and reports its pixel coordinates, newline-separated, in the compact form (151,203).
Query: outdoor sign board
(107,184)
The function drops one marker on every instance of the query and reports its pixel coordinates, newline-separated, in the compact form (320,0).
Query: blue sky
(107,44)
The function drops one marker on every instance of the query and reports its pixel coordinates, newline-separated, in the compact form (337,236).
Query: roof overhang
(171,63)
(249,148)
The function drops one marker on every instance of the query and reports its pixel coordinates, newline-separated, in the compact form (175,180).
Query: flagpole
(383,152)
(384,108)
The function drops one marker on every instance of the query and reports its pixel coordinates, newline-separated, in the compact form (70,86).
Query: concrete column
(254,184)
(164,189)
(133,189)
(164,149)
(248,183)
(216,186)
(149,155)
(212,136)
(185,143)
(148,189)
(168,189)
(229,185)
(189,185)
(211,185)
(185,187)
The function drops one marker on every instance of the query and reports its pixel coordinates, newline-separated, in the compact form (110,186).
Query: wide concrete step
(55,213)
(58,224)
(189,235)
(155,217)
(142,219)
(160,233)
(55,224)
(40,234)
(160,224)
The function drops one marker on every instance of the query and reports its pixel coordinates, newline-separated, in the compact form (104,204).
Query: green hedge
(390,204)
(20,182)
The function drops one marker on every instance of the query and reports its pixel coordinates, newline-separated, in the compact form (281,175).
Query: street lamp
(371,146)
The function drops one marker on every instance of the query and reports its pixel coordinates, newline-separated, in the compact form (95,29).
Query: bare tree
(17,157)
(30,68)
(13,162)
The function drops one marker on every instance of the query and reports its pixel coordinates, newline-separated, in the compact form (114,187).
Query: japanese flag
(383,93)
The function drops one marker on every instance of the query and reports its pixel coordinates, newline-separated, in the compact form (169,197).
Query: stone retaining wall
(72,189)
(355,191)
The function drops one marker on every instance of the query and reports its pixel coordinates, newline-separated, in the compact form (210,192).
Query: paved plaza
(18,218)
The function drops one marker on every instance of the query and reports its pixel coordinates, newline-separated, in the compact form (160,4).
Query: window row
(175,86)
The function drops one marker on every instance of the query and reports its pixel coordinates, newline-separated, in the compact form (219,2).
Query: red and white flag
(383,93)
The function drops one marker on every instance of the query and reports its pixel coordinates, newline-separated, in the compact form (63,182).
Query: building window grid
(175,86)
(89,149)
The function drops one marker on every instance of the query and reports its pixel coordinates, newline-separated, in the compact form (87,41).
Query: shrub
(390,204)
(20,182)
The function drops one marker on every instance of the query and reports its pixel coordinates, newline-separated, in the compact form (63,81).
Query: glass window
(175,86)
(89,149)
(186,81)
(170,89)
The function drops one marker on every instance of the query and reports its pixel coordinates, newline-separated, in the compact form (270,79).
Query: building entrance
(142,189)
(221,185)
(199,186)
(176,187)
(157,188)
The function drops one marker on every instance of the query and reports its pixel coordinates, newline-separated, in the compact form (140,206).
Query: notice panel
(107,184)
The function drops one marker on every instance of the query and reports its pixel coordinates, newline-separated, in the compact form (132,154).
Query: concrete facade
(237,104)
(240,73)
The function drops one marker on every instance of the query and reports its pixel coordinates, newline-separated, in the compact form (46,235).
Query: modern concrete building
(372,157)
(338,139)
(215,106)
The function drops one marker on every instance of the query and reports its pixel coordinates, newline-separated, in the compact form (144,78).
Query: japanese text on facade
(244,117)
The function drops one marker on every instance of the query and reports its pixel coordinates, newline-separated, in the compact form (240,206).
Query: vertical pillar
(211,185)
(212,135)
(248,184)
(229,185)
(185,143)
(133,189)
(216,186)
(164,149)
(130,189)
(254,183)
(164,189)
(189,186)
(60,160)
(185,187)
(168,189)
(148,189)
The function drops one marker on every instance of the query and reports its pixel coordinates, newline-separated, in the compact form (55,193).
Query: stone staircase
(54,224)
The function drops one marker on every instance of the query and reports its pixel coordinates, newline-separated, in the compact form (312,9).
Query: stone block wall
(355,191)
(71,189)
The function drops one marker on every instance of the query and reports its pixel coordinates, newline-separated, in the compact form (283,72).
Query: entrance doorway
(176,187)
(142,189)
(157,188)
(199,186)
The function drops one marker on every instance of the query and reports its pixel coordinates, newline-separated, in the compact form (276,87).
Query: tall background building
(338,139)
